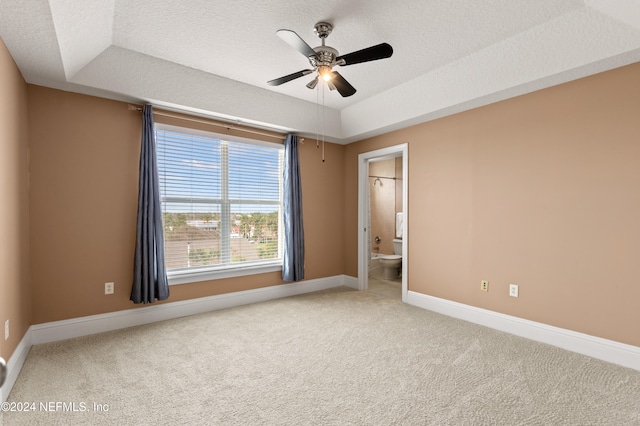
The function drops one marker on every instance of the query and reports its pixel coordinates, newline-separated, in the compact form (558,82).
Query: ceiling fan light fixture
(312,84)
(325,72)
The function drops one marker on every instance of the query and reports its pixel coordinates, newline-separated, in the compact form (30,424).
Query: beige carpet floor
(338,357)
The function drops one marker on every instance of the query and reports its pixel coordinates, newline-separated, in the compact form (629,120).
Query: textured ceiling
(215,57)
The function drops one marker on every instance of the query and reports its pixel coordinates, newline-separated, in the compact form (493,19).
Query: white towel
(399,225)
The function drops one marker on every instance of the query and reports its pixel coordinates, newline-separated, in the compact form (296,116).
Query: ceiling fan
(324,58)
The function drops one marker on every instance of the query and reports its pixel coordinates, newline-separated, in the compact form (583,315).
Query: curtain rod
(212,122)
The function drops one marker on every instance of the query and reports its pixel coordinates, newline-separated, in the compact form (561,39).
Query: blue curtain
(149,275)
(293,266)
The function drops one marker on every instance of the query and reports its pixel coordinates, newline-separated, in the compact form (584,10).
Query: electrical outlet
(513,290)
(108,288)
(6,329)
(484,285)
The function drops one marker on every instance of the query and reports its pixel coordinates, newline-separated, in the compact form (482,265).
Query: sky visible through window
(191,175)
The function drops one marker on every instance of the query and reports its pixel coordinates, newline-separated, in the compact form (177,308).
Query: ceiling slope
(214,58)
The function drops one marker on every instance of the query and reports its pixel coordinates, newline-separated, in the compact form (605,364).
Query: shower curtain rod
(385,177)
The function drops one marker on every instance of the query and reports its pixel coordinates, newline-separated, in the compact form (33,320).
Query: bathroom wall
(385,200)
(398,184)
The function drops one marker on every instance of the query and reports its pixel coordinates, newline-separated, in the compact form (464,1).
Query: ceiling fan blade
(343,86)
(295,41)
(281,80)
(379,51)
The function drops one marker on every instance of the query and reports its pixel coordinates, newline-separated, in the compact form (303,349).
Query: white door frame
(363,203)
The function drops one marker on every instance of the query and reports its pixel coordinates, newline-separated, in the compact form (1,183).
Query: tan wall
(322,189)
(14,207)
(84,175)
(542,190)
(382,199)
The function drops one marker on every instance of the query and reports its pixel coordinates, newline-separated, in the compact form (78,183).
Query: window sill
(208,274)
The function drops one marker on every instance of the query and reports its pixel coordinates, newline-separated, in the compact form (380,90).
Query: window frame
(215,272)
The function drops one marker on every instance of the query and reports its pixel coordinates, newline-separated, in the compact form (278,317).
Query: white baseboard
(595,347)
(76,327)
(14,365)
(83,326)
(351,282)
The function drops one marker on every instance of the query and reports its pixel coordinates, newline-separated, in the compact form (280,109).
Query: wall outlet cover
(513,290)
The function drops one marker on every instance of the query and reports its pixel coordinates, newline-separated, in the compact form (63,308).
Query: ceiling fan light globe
(325,72)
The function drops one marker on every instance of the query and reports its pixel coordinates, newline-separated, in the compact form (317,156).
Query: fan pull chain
(323,122)
(317,117)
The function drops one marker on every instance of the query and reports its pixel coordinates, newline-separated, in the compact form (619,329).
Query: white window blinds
(221,200)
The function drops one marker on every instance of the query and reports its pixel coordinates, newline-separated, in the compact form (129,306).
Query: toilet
(391,263)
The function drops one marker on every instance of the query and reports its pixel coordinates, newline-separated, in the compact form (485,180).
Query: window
(221,204)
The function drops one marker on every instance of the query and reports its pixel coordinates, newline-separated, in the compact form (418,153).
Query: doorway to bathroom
(382,216)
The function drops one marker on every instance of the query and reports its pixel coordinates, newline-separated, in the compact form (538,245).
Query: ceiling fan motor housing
(325,55)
